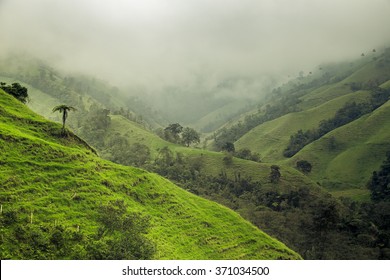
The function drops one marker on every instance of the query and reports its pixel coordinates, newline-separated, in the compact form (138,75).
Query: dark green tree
(304,166)
(228,147)
(189,136)
(16,90)
(172,132)
(379,184)
(64,109)
(274,175)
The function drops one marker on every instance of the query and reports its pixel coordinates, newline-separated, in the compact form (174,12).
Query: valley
(325,211)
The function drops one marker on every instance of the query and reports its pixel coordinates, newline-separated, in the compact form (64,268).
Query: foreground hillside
(60,185)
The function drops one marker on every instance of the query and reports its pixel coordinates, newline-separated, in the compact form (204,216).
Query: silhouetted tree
(64,109)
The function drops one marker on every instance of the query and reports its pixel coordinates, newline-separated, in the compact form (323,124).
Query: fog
(159,43)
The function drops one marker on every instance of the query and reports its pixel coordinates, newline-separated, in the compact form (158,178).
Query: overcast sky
(174,42)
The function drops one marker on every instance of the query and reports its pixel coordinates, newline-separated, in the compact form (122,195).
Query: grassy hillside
(61,181)
(271,138)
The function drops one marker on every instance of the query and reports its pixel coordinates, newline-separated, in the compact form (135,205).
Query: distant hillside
(361,145)
(55,189)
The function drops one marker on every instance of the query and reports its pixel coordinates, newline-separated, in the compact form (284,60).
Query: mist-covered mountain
(273,191)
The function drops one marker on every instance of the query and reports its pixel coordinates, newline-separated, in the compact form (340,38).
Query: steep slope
(47,179)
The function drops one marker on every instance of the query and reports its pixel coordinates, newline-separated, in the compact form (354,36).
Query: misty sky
(178,42)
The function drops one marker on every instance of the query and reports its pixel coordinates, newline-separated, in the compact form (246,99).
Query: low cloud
(159,43)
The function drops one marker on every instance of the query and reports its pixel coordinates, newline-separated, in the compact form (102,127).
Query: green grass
(62,181)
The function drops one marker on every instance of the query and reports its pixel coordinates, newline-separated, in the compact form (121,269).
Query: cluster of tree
(16,90)
(348,113)
(121,235)
(175,133)
(243,153)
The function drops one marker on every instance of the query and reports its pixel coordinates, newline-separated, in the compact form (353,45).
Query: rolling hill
(361,144)
(52,181)
(289,207)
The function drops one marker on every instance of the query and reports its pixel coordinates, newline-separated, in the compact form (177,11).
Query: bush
(304,166)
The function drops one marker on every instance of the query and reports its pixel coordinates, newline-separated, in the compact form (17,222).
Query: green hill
(50,181)
(272,137)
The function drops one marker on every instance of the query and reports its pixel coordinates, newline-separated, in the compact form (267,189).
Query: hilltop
(50,182)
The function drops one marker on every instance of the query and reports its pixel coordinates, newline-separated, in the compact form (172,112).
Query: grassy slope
(43,174)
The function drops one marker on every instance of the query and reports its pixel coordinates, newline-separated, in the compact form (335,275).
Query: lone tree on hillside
(189,136)
(64,109)
(172,132)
